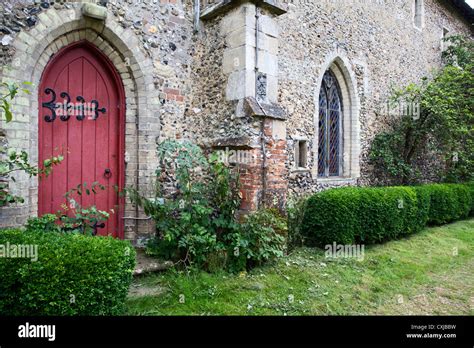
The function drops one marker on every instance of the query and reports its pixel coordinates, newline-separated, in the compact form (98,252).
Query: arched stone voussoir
(62,27)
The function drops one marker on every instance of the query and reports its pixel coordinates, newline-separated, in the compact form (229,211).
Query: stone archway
(339,65)
(34,48)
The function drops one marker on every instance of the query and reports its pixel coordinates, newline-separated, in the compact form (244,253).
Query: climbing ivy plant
(442,130)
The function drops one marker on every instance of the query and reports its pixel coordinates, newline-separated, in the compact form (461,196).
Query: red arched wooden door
(81,116)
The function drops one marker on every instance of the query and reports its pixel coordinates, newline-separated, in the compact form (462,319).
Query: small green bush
(45,223)
(73,275)
(262,238)
(376,214)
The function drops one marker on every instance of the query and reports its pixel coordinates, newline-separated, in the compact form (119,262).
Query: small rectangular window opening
(301,155)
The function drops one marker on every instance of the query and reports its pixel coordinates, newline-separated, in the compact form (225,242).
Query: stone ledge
(274,6)
(269,110)
(337,181)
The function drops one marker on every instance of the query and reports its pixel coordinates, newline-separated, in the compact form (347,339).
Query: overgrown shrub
(376,214)
(73,217)
(262,238)
(182,216)
(73,274)
(194,207)
(435,123)
(45,223)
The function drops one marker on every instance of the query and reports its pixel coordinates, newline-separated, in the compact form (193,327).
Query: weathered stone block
(240,84)
(267,63)
(243,36)
(239,58)
(94,11)
(243,16)
(279,129)
(269,26)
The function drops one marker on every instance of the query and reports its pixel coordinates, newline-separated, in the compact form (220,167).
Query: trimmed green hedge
(423,197)
(375,214)
(470,186)
(73,275)
(448,202)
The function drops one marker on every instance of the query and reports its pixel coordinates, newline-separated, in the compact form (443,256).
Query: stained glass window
(330,110)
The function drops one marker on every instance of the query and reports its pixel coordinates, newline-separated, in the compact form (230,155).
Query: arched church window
(330,127)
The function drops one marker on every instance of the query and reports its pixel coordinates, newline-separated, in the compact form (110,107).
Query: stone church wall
(381,46)
(199,83)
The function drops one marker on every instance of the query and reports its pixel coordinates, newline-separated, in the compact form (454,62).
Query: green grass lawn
(429,273)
